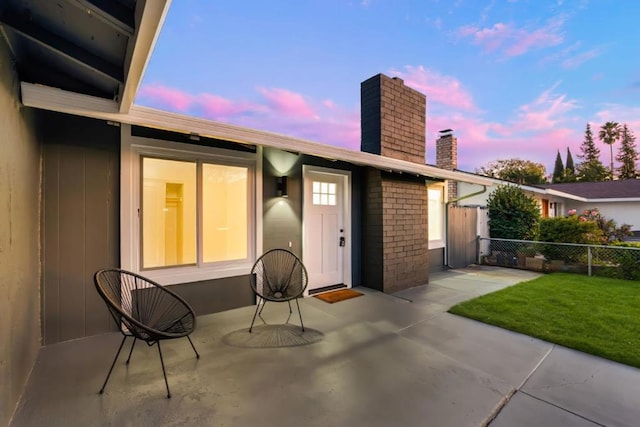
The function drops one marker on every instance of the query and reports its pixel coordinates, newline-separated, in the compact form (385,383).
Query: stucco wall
(19,240)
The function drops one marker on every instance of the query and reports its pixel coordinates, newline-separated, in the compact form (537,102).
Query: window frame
(133,149)
(440,242)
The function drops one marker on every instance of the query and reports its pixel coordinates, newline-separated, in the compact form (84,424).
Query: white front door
(326,251)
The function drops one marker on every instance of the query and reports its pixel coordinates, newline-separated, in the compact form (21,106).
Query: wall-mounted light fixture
(281,186)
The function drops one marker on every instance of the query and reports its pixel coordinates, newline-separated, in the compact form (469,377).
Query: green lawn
(596,315)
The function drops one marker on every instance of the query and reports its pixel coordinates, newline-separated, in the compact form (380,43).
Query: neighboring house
(618,200)
(88,181)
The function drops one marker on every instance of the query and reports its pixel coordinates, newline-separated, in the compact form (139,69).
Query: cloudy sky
(513,78)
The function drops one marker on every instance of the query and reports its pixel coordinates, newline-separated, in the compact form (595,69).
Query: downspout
(446,220)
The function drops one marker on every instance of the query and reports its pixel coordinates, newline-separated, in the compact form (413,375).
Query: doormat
(339,295)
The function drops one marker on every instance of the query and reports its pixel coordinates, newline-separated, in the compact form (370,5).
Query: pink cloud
(534,132)
(515,41)
(287,102)
(218,108)
(174,99)
(577,60)
(442,89)
(278,110)
(546,111)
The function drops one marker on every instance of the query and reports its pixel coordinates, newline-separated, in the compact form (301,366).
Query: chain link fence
(609,261)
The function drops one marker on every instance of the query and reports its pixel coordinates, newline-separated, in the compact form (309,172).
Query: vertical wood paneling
(80,223)
(462,232)
(97,241)
(72,229)
(51,246)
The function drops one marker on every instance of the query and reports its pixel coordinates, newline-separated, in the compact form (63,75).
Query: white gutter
(53,99)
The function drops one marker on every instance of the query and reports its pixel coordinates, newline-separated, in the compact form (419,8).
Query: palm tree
(609,134)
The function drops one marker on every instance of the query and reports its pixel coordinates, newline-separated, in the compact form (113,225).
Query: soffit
(90,47)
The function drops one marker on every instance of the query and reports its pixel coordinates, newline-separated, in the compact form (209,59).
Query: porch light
(281,186)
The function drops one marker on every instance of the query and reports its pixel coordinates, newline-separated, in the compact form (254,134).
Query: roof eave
(53,99)
(150,16)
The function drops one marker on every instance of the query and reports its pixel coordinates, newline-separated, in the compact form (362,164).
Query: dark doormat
(339,295)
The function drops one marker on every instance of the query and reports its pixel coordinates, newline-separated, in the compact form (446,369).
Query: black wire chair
(278,276)
(144,310)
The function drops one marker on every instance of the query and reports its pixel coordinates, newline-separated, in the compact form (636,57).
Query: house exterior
(88,181)
(618,200)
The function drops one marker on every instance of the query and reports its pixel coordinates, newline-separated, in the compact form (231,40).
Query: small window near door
(324,193)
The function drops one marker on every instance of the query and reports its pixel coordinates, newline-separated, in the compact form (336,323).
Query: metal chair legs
(256,313)
(299,314)
(164,372)
(114,363)
(131,351)
(260,307)
(166,382)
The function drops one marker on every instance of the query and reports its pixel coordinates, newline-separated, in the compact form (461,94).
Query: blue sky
(513,78)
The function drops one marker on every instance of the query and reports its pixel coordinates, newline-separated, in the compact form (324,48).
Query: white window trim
(438,243)
(132,148)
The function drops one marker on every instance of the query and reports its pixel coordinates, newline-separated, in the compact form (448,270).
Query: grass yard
(596,315)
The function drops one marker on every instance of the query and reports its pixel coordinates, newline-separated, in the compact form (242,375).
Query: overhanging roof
(83,105)
(91,47)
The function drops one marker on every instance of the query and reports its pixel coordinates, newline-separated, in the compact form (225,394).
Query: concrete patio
(375,360)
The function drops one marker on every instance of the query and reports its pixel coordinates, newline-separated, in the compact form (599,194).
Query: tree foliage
(591,168)
(512,214)
(569,169)
(609,134)
(515,170)
(627,154)
(558,170)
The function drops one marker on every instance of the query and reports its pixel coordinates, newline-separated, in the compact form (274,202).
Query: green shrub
(512,214)
(628,261)
(569,229)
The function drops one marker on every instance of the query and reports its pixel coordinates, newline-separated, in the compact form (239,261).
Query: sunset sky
(513,78)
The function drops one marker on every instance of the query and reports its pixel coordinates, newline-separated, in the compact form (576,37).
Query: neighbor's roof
(621,189)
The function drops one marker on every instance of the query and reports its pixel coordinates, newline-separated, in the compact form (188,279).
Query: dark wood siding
(462,236)
(81,212)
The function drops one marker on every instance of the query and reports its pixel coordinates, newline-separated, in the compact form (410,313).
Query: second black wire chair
(278,276)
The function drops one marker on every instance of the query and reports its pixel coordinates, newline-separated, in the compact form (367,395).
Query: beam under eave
(53,99)
(113,13)
(149,23)
(61,47)
(63,101)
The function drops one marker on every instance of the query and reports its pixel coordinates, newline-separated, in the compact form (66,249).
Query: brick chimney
(447,158)
(395,244)
(393,119)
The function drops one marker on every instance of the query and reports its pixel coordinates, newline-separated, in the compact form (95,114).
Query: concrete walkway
(375,360)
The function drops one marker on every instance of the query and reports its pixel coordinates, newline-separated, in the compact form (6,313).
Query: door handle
(342,242)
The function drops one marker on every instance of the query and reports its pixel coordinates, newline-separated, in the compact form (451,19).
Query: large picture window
(188,212)
(170,212)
